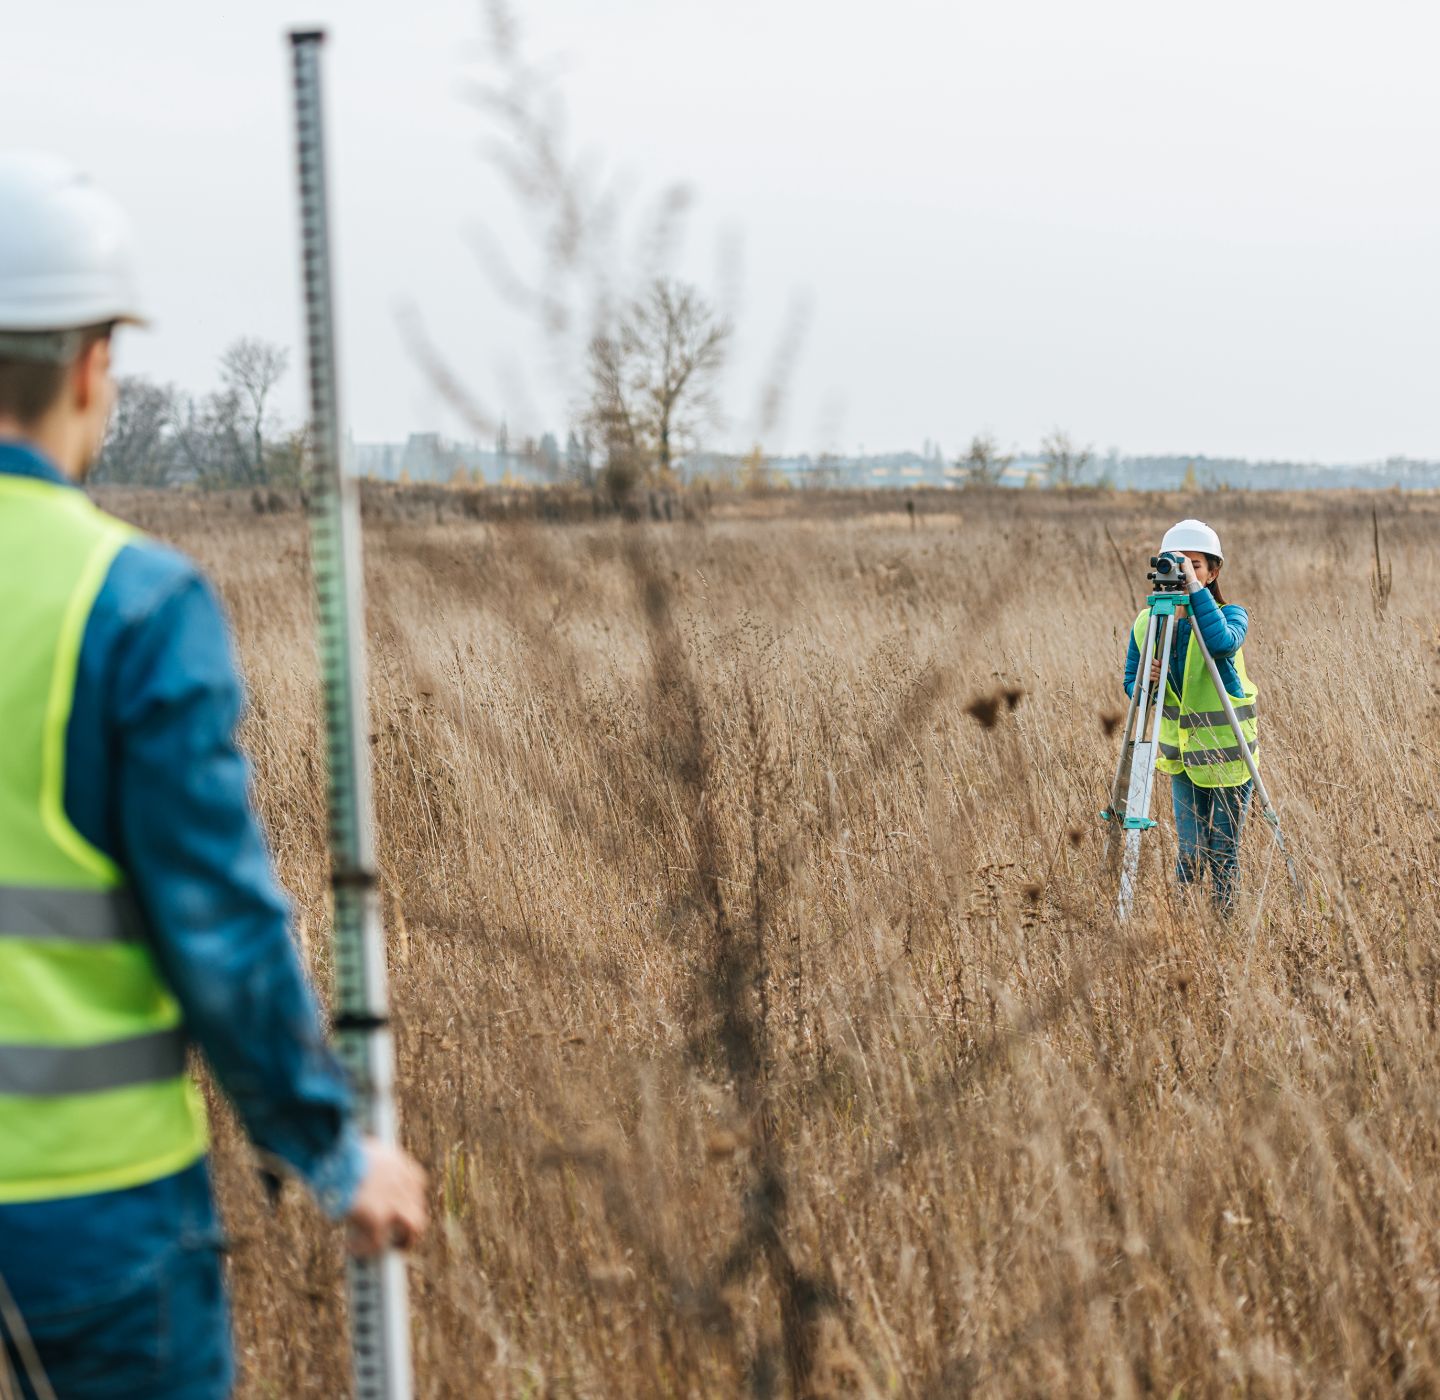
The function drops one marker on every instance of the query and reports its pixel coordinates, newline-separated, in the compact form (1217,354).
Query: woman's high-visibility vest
(1195,738)
(93,1090)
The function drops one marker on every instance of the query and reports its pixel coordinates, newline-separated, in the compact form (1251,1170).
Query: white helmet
(1191,534)
(65,258)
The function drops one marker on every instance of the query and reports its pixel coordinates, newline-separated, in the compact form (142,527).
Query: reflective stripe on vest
(93,1091)
(76,916)
(1200,757)
(51,1071)
(1207,719)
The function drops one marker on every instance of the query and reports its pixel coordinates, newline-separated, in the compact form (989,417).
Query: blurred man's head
(61,407)
(66,281)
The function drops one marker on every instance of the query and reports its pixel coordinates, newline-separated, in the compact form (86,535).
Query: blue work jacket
(1224,630)
(154,778)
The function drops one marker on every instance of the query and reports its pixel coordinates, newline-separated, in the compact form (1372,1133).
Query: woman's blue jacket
(1224,630)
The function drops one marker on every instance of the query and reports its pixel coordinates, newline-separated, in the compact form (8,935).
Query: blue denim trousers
(121,1294)
(1207,828)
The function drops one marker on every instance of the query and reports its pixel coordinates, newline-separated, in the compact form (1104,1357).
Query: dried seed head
(985,709)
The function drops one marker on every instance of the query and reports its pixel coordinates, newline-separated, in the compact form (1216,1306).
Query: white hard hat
(65,257)
(1191,534)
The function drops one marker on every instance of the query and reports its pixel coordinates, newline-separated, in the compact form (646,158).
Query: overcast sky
(1189,229)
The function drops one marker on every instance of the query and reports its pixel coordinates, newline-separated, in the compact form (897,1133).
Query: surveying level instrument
(379,1312)
(1128,814)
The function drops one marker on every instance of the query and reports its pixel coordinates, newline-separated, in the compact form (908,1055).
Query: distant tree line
(575,463)
(161,436)
(651,393)
(652,377)
(1066,464)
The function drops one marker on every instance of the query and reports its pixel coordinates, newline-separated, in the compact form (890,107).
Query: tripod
(1129,809)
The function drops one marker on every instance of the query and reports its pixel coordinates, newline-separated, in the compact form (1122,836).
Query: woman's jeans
(1207,826)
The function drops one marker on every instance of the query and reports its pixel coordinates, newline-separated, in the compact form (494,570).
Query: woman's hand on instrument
(1187,571)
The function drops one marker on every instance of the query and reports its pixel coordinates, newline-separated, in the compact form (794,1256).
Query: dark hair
(1215,561)
(29,389)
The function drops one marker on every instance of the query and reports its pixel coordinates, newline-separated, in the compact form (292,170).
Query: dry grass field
(763,1019)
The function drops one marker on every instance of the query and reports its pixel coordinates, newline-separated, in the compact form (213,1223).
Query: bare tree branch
(984,464)
(1065,461)
(250,369)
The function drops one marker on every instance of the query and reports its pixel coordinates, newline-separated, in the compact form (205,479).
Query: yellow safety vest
(93,1090)
(1195,737)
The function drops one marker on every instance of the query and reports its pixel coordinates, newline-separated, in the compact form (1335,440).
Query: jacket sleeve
(1132,664)
(193,849)
(1223,629)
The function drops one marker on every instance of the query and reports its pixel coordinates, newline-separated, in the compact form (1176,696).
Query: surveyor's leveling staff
(379,1315)
(1129,809)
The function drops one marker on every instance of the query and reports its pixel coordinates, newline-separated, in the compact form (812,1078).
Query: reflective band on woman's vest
(93,1090)
(1195,737)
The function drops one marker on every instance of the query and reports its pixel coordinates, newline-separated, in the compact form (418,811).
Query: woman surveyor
(1209,781)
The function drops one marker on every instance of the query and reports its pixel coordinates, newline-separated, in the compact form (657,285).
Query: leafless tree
(250,368)
(1065,461)
(159,435)
(984,464)
(139,449)
(652,380)
(211,442)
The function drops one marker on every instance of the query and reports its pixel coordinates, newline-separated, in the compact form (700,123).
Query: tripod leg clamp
(1138,823)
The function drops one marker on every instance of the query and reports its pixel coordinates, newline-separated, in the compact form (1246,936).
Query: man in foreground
(139,912)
